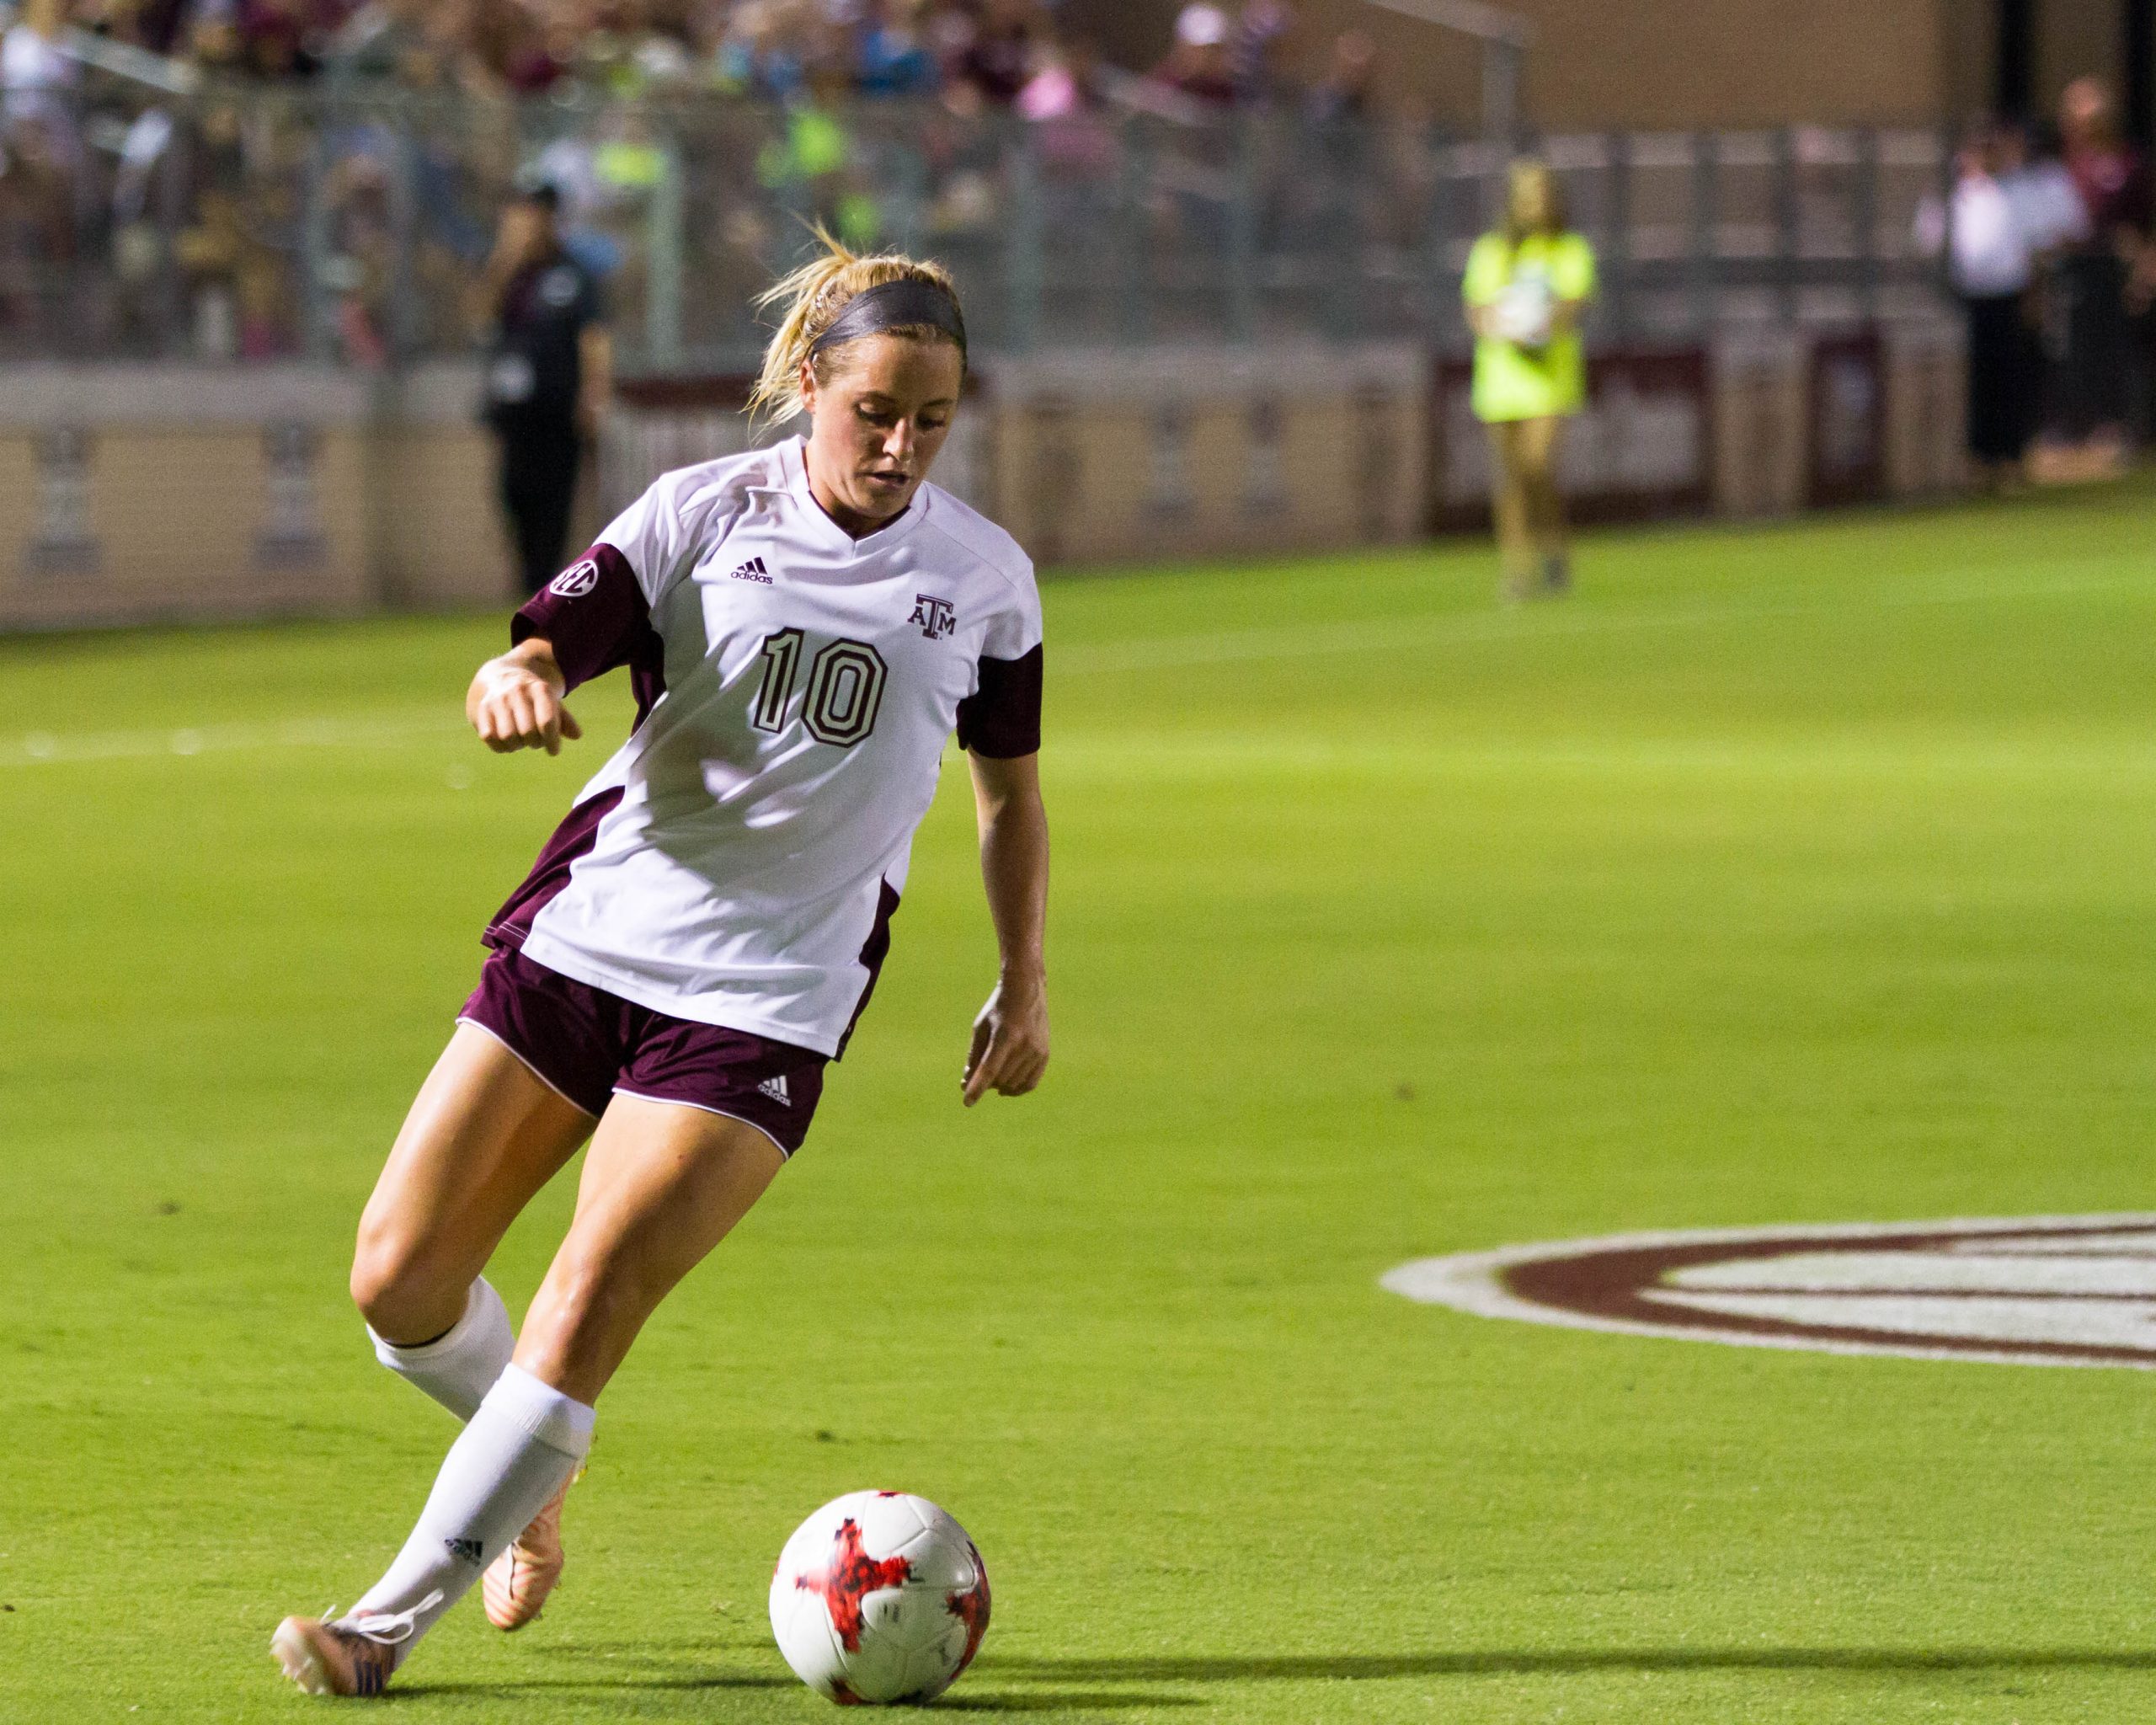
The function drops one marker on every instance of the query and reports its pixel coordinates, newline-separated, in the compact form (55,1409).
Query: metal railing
(349,226)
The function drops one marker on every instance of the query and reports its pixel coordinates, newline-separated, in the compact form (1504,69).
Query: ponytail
(814,296)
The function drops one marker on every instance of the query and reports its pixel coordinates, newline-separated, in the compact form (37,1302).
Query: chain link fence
(351,226)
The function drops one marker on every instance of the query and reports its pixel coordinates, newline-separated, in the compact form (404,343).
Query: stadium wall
(147,494)
(1684,64)
(1651,64)
(1120,455)
(155,493)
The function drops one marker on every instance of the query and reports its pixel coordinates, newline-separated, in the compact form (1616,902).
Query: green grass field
(1798,874)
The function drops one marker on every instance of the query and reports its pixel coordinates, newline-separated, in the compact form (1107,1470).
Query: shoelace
(391,1629)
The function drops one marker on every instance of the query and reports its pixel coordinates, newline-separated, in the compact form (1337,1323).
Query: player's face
(878,420)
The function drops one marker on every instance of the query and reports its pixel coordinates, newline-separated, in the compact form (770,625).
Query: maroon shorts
(587,1044)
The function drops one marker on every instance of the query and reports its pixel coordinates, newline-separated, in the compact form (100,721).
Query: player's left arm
(1010,1042)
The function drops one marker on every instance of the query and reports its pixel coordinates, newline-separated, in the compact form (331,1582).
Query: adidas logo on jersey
(775,1088)
(754,570)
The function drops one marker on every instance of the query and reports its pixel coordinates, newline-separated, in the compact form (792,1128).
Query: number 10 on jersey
(845,687)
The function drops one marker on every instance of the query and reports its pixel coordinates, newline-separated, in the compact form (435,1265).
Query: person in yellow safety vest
(1527,284)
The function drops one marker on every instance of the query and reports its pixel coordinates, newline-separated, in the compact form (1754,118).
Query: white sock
(515,1454)
(458,1369)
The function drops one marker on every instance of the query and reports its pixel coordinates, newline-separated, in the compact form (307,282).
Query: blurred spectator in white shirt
(1989,263)
(2047,203)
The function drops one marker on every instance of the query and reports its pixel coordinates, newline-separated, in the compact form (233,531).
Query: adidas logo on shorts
(754,570)
(775,1088)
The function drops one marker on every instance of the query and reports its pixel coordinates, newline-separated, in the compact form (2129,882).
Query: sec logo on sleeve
(575,581)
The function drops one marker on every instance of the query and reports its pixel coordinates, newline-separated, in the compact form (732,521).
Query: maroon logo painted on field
(849,1575)
(2029,1290)
(970,1607)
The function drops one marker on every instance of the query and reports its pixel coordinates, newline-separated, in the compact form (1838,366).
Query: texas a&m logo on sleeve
(575,581)
(935,616)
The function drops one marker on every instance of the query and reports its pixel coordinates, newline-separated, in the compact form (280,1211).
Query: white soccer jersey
(738,860)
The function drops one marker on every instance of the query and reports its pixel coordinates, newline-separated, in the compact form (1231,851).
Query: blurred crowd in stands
(2049,234)
(969,53)
(153,142)
(262,178)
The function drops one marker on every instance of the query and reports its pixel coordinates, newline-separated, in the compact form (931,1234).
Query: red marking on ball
(848,1577)
(971,1608)
(843,1696)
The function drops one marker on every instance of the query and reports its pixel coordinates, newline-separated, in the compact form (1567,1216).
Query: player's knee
(395,1285)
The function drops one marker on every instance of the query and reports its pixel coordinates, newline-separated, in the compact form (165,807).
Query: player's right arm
(593,617)
(516,701)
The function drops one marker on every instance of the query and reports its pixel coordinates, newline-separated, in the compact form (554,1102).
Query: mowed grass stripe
(1407,633)
(1544,930)
(1600,614)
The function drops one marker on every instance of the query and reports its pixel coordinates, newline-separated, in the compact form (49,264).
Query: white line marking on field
(2112,761)
(1365,635)
(353,730)
(1394,634)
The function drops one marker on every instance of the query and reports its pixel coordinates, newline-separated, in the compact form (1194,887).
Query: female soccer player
(1525,287)
(803,626)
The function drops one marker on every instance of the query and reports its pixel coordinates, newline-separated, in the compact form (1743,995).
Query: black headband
(895,304)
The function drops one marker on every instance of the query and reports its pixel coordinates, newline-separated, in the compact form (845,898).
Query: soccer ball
(880,1596)
(1524,311)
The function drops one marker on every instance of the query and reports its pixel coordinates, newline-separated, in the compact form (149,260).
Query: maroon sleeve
(595,614)
(1002,719)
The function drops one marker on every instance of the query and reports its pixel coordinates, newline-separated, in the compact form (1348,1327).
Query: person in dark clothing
(2097,381)
(546,373)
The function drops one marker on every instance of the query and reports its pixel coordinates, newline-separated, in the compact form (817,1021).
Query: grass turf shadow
(1319,1666)
(663,1671)
(593,1696)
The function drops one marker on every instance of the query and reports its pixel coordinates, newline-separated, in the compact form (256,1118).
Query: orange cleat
(516,1583)
(333,1659)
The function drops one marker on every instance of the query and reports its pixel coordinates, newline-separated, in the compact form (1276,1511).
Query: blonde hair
(813,295)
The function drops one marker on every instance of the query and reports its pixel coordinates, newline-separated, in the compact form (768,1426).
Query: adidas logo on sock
(466,1550)
(775,1088)
(754,570)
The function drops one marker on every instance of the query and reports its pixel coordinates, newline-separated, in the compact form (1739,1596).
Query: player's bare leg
(483,1135)
(663,1184)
